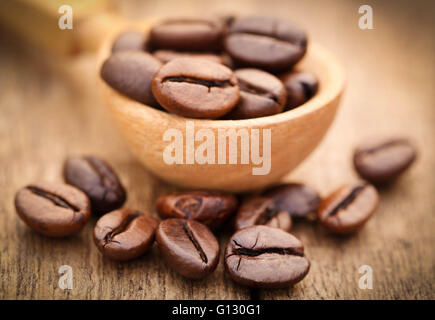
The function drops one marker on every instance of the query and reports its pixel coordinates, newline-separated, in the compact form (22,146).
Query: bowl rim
(324,95)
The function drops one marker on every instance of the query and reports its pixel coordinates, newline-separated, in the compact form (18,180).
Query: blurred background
(50,107)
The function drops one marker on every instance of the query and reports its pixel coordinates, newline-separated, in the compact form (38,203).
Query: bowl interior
(295,133)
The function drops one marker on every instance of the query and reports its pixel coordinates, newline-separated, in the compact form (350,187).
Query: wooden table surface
(47,114)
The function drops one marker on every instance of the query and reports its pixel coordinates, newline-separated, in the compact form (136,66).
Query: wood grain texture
(49,109)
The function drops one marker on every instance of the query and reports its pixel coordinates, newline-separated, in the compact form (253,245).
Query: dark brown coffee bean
(188,247)
(130,41)
(265,43)
(261,211)
(187,35)
(298,200)
(97,179)
(347,209)
(196,88)
(124,234)
(131,73)
(169,55)
(300,87)
(265,257)
(261,94)
(53,209)
(209,208)
(382,161)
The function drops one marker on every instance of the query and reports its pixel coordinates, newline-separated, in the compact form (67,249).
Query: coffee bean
(209,208)
(187,35)
(380,161)
(188,247)
(261,211)
(261,94)
(124,234)
(131,73)
(265,257)
(300,87)
(169,55)
(298,200)
(347,209)
(196,88)
(97,179)
(130,41)
(265,43)
(54,210)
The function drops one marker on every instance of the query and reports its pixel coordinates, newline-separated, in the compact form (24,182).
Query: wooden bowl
(294,134)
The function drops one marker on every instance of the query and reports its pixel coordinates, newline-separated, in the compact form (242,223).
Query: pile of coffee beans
(260,254)
(220,68)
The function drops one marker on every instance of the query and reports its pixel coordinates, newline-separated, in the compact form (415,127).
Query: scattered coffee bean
(187,35)
(347,209)
(265,257)
(196,88)
(298,200)
(124,234)
(130,41)
(382,161)
(54,210)
(209,208)
(261,211)
(188,247)
(265,43)
(98,180)
(131,73)
(261,94)
(300,87)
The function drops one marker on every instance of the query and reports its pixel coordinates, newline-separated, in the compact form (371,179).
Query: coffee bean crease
(207,83)
(191,237)
(54,198)
(250,88)
(108,238)
(269,214)
(347,200)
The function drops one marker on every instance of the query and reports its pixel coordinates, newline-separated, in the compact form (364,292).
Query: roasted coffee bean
(169,55)
(131,73)
(347,209)
(196,88)
(209,208)
(98,180)
(188,247)
(265,257)
(382,161)
(261,211)
(265,43)
(52,209)
(130,41)
(187,35)
(261,94)
(300,87)
(298,200)
(124,234)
